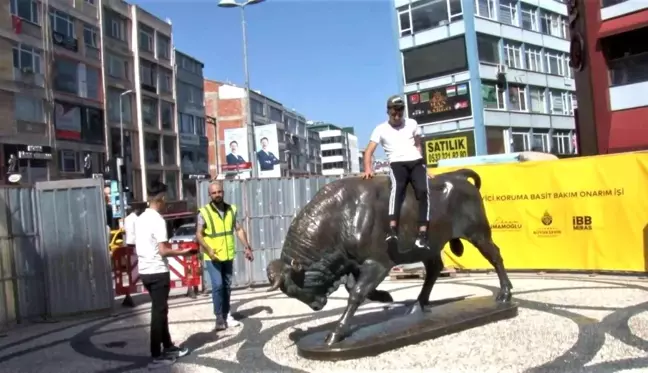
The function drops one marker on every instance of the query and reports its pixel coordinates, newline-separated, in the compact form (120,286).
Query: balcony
(27,77)
(65,41)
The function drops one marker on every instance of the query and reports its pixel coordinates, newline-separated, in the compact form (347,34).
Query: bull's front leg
(372,273)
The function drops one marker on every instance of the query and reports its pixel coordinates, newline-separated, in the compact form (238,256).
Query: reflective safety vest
(219,232)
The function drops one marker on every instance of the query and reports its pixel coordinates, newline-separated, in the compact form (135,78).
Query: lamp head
(228,4)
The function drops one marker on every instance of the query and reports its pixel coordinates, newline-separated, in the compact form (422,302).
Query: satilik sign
(448,146)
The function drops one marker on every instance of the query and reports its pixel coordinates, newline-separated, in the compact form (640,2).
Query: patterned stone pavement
(565,324)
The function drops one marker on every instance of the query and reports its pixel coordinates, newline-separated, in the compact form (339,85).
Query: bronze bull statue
(339,237)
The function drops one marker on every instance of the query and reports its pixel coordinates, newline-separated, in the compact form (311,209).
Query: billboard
(236,153)
(67,118)
(448,146)
(440,103)
(267,150)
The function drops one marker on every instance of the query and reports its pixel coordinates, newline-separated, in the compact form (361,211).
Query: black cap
(395,101)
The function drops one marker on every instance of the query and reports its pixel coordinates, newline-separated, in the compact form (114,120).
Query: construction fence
(53,257)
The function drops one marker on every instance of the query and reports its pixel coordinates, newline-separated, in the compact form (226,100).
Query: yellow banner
(588,213)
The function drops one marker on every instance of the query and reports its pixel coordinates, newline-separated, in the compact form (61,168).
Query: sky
(331,60)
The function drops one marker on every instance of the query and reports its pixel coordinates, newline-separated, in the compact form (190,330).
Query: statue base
(371,339)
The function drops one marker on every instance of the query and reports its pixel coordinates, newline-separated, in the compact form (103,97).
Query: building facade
(51,95)
(487,76)
(192,130)
(299,148)
(340,152)
(609,53)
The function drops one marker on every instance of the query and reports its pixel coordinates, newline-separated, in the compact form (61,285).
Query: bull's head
(292,280)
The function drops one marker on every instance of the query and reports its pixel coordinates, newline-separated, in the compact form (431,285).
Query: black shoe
(220,325)
(422,241)
(176,352)
(392,239)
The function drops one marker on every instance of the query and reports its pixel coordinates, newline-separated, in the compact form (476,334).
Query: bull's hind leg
(371,274)
(491,252)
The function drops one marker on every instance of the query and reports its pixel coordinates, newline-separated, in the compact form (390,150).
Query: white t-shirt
(129,228)
(398,142)
(150,231)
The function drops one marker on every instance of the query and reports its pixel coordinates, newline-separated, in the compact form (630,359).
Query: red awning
(623,24)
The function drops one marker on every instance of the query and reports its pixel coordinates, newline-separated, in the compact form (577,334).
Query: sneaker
(421,241)
(162,361)
(392,239)
(232,322)
(220,325)
(176,352)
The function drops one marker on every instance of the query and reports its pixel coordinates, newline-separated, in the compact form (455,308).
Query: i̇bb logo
(582,223)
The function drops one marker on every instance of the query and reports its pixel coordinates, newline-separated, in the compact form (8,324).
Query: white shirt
(129,228)
(398,142)
(150,229)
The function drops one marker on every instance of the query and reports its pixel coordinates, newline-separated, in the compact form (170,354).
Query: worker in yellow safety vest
(215,227)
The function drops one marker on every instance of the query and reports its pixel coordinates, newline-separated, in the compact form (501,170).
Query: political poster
(267,150)
(236,162)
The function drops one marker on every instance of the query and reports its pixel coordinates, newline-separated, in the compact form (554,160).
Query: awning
(623,24)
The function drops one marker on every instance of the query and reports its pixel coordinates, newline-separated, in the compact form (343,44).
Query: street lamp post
(122,204)
(248,124)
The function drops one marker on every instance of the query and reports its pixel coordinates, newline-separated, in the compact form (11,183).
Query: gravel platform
(565,324)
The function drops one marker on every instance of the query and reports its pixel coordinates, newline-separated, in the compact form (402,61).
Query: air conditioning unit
(501,69)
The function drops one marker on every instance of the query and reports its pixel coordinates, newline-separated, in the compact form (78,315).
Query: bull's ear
(296,266)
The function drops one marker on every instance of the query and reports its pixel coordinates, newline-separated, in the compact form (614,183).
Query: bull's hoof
(335,337)
(380,296)
(503,296)
(416,308)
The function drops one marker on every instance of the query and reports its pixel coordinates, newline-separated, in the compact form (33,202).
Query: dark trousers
(220,274)
(158,286)
(401,174)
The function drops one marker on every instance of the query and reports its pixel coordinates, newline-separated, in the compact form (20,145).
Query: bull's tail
(468,173)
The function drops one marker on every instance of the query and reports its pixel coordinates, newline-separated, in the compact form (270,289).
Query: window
(517,98)
(627,57)
(92,83)
(560,102)
(189,65)
(117,28)
(488,49)
(256,107)
(276,114)
(25,9)
(171,180)
(69,161)
(529,18)
(169,144)
(607,3)
(555,62)
(554,25)
(27,59)
(149,112)
(163,47)
(404,22)
(187,124)
(29,109)
(456,12)
(200,126)
(560,142)
(513,55)
(166,84)
(520,141)
(146,38)
(492,96)
(117,67)
(148,73)
(62,23)
(574,103)
(91,2)
(485,8)
(90,36)
(508,12)
(429,14)
(113,106)
(537,99)
(533,59)
(166,112)
(65,76)
(152,148)
(92,125)
(540,141)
